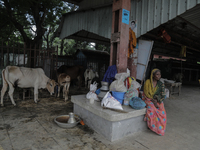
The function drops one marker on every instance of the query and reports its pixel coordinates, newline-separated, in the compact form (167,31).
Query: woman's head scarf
(149,90)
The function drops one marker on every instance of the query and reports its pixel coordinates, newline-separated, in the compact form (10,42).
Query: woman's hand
(154,101)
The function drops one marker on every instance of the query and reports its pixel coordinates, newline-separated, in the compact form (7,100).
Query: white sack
(110,102)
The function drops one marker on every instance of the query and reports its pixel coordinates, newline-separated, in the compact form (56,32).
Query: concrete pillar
(120,34)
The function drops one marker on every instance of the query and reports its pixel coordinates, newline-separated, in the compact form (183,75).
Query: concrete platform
(30,126)
(111,124)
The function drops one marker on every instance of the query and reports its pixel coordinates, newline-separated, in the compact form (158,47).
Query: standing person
(154,94)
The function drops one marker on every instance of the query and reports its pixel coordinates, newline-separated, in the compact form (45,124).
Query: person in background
(153,96)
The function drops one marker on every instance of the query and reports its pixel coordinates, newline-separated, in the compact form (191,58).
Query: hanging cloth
(132,42)
(183,51)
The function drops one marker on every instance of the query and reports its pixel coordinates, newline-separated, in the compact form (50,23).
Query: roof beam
(172,42)
(188,22)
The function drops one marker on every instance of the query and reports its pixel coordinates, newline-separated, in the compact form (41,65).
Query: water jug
(71,118)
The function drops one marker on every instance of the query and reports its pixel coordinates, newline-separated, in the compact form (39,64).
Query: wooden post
(18,53)
(2,55)
(8,57)
(35,57)
(120,34)
(24,53)
(13,54)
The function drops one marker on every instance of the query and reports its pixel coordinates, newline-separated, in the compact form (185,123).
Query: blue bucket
(97,91)
(118,96)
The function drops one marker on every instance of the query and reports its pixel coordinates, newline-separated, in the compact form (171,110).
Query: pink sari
(156,117)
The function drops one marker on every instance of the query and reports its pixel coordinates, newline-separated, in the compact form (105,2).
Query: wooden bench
(172,87)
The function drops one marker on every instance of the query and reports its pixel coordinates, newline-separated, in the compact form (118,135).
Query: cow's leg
(85,83)
(79,82)
(64,90)
(11,91)
(89,82)
(3,90)
(67,92)
(58,90)
(36,94)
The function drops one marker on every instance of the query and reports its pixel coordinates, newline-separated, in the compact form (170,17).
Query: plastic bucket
(118,96)
(97,91)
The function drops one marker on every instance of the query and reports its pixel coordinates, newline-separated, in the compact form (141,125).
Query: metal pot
(104,86)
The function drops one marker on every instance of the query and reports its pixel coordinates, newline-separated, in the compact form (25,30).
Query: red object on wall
(162,33)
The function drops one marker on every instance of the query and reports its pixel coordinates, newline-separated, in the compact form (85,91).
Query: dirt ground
(30,126)
(28,117)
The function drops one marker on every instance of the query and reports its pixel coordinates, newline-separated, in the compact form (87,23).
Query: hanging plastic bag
(91,94)
(93,87)
(110,102)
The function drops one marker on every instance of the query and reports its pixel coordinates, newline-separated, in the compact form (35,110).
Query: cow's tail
(3,78)
(5,85)
(5,73)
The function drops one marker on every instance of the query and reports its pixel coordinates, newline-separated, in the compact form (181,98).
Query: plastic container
(118,96)
(62,121)
(97,91)
(71,118)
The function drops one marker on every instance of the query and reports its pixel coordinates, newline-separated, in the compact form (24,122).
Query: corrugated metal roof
(152,13)
(91,37)
(88,4)
(88,52)
(193,16)
(98,21)
(149,14)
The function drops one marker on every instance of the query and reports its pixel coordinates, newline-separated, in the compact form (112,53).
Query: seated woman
(154,94)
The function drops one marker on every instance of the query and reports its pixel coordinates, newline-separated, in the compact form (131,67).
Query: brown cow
(64,80)
(75,72)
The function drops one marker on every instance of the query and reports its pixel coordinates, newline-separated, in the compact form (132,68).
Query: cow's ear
(49,82)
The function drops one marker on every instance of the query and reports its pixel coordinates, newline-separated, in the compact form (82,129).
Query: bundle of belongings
(124,90)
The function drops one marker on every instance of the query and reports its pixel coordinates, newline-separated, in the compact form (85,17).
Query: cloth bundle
(137,103)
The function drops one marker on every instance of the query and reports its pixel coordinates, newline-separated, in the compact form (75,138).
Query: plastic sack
(167,92)
(118,84)
(93,87)
(91,94)
(110,102)
(132,91)
(128,81)
(130,94)
(122,76)
(135,84)
(137,103)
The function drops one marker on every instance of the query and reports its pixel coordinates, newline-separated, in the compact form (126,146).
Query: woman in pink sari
(154,94)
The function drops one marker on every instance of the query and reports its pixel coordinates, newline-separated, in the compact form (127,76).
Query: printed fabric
(156,117)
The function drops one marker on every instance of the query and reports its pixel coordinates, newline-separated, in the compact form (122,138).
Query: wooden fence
(20,55)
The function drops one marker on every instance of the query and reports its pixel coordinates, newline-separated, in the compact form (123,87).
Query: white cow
(64,80)
(89,74)
(25,78)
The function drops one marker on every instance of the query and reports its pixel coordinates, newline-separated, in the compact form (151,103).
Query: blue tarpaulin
(109,76)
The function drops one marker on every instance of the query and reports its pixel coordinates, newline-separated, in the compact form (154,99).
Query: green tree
(29,20)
